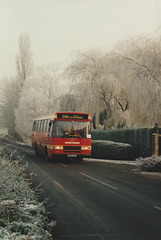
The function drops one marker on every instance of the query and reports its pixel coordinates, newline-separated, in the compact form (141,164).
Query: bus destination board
(72,116)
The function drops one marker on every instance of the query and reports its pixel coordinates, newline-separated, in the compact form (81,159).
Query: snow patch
(110,161)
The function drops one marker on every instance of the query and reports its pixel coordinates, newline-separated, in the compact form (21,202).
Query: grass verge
(22,215)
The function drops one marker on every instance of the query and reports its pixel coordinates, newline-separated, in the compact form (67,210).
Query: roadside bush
(140,138)
(150,164)
(112,150)
(22,215)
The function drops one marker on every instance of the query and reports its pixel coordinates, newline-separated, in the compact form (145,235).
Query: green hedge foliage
(140,139)
(112,150)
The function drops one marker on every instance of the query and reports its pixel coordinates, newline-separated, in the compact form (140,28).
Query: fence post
(155,144)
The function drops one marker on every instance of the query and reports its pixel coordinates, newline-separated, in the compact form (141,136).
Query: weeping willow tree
(126,83)
(85,73)
(95,86)
(141,60)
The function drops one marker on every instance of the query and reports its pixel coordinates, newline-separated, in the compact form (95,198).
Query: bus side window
(43,121)
(34,126)
(45,125)
(38,127)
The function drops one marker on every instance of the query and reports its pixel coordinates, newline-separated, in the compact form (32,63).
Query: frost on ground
(22,216)
(149,164)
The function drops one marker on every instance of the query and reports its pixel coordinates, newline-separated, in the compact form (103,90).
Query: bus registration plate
(72,155)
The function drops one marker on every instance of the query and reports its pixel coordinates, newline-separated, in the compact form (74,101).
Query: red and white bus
(65,134)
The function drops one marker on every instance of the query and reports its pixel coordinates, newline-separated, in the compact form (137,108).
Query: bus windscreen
(71,129)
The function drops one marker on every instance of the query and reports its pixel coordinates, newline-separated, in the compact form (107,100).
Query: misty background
(96,56)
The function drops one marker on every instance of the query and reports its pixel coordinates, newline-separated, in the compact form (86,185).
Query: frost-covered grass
(149,164)
(22,215)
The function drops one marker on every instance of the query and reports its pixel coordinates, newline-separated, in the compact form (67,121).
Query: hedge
(140,138)
(112,150)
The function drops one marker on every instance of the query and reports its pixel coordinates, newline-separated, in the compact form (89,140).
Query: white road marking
(58,184)
(96,180)
(158,208)
(62,164)
(110,161)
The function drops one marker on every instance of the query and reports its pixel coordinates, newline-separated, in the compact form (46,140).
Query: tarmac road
(96,201)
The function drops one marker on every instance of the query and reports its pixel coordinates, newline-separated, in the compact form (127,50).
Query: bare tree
(24,60)
(11,89)
(8,103)
(68,102)
(39,96)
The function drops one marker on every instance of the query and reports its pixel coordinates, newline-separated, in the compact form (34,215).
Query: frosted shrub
(112,150)
(149,164)
(22,216)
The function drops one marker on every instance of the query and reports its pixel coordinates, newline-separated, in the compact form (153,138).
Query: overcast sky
(57,27)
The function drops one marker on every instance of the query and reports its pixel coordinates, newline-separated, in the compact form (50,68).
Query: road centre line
(158,208)
(58,184)
(62,164)
(96,180)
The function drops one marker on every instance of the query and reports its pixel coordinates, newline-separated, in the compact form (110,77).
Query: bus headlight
(86,147)
(57,147)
